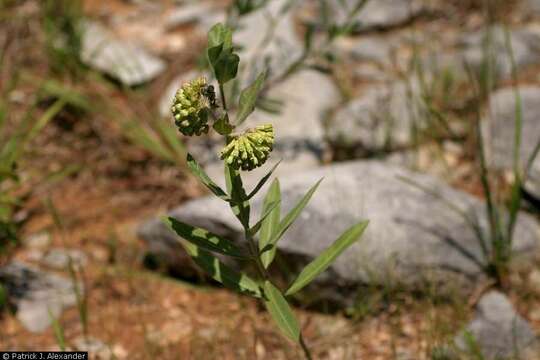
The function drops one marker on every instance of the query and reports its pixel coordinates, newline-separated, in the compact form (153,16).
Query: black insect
(209,92)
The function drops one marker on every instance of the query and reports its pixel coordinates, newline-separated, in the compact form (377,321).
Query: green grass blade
(205,239)
(516,195)
(58,332)
(281,312)
(80,296)
(270,223)
(45,118)
(140,136)
(169,134)
(327,257)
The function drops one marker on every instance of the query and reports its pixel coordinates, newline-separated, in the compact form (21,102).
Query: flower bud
(250,149)
(191,106)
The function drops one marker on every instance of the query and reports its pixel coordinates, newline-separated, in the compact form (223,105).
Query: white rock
(127,62)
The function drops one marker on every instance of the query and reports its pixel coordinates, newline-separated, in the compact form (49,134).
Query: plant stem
(307,353)
(255,254)
(223,101)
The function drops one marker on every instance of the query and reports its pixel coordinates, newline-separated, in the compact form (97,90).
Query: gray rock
(37,295)
(383,118)
(126,62)
(252,35)
(498,330)
(379,14)
(412,236)
(525,48)
(59,259)
(187,14)
(499,129)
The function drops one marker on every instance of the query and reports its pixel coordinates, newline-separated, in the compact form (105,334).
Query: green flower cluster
(250,149)
(191,107)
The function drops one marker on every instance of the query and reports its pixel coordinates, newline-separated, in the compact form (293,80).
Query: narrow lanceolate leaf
(270,223)
(238,200)
(220,272)
(263,181)
(287,222)
(248,98)
(198,171)
(281,312)
(205,239)
(266,212)
(327,257)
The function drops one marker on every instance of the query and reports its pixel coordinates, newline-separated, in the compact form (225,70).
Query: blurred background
(423,116)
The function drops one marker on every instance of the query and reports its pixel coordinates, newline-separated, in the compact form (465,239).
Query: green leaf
(327,257)
(226,66)
(222,126)
(213,54)
(220,53)
(281,312)
(218,35)
(287,222)
(220,272)
(248,98)
(270,223)
(205,239)
(238,200)
(198,171)
(263,181)
(266,212)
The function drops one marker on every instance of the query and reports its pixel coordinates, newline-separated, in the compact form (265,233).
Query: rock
(382,118)
(499,128)
(284,46)
(524,43)
(59,259)
(498,330)
(126,62)
(380,14)
(412,237)
(36,293)
(186,14)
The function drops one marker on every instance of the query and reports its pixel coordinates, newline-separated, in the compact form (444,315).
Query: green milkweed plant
(196,109)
